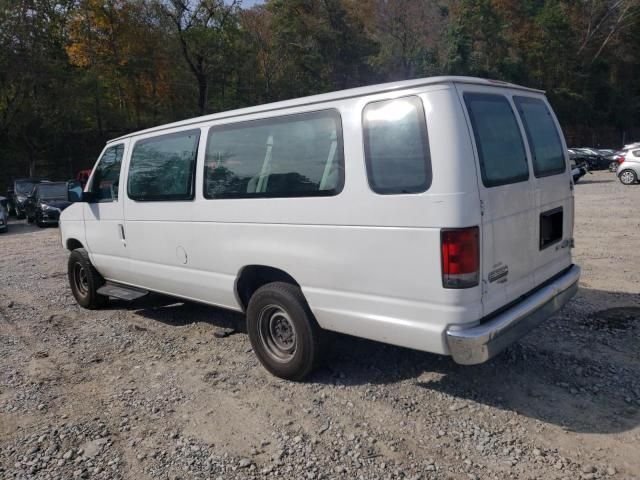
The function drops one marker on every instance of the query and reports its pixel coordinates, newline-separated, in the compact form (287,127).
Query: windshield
(53,190)
(24,188)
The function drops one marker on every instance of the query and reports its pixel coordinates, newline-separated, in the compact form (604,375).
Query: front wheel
(284,333)
(628,177)
(85,280)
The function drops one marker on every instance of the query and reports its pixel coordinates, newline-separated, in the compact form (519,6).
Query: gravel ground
(153,390)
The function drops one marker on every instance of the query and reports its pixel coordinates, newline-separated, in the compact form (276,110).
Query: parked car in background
(46,202)
(4,215)
(283,213)
(9,199)
(578,171)
(593,158)
(628,170)
(616,159)
(22,188)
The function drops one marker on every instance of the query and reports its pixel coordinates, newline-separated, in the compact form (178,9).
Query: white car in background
(629,170)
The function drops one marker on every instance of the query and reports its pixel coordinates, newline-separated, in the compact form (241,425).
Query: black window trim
(487,183)
(107,148)
(556,171)
(426,148)
(331,112)
(173,197)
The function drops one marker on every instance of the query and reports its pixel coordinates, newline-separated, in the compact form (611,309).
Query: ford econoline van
(434,214)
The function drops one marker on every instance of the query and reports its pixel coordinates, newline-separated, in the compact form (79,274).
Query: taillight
(460,257)
(620,159)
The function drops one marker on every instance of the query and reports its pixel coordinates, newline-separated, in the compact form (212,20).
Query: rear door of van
(525,190)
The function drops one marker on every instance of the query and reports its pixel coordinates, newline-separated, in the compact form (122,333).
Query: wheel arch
(251,277)
(73,244)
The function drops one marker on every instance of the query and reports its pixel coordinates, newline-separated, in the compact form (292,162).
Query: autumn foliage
(74,73)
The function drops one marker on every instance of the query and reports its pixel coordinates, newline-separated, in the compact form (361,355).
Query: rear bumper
(469,346)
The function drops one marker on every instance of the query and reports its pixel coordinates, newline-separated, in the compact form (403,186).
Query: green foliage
(74,73)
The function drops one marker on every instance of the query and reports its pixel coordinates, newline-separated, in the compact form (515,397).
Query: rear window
(500,147)
(396,146)
(542,135)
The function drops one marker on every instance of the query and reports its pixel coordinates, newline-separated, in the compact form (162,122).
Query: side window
(396,146)
(636,153)
(163,167)
(106,177)
(542,135)
(293,156)
(500,147)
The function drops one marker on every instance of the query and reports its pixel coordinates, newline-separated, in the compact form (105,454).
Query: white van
(434,214)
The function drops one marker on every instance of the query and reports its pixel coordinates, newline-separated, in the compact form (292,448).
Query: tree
(326,46)
(206,31)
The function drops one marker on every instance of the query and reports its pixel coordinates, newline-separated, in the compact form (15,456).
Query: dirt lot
(146,390)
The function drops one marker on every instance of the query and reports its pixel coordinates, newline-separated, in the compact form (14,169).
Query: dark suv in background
(18,193)
(46,202)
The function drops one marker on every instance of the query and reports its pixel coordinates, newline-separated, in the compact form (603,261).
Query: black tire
(39,221)
(275,310)
(30,219)
(628,177)
(85,280)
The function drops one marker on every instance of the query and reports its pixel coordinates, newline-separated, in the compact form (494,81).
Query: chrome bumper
(469,346)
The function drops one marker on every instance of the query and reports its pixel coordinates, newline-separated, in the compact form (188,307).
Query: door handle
(123,239)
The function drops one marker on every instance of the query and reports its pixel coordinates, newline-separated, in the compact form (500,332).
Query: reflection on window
(543,137)
(396,146)
(500,148)
(293,156)
(162,167)
(106,177)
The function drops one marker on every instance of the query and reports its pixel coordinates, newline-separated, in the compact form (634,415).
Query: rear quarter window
(501,152)
(543,137)
(396,146)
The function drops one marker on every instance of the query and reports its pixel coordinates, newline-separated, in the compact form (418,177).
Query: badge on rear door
(498,273)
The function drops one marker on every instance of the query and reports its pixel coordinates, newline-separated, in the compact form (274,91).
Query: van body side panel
(103,220)
(160,240)
(368,264)
(72,227)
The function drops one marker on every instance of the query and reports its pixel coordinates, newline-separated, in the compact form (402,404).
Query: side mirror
(75,193)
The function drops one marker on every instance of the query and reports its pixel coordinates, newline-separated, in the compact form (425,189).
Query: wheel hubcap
(627,177)
(81,280)
(277,333)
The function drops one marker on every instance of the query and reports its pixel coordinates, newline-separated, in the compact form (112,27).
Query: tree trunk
(202,93)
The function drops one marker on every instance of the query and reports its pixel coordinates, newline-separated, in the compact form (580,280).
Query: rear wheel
(283,332)
(628,177)
(85,280)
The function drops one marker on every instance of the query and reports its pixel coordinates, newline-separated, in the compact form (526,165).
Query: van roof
(325,97)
